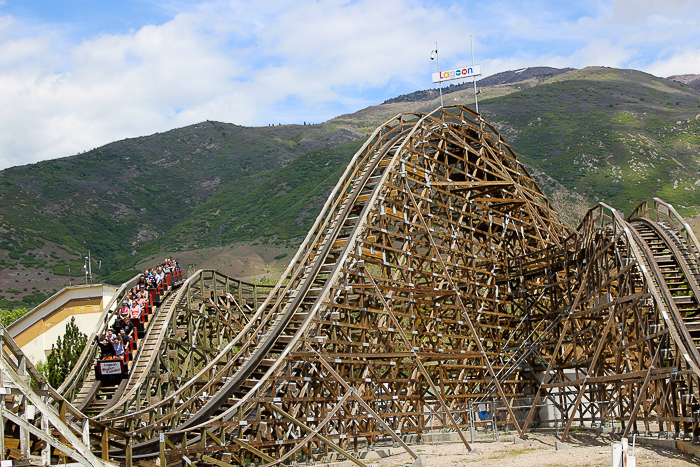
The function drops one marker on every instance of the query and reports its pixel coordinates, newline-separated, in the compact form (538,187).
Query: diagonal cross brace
(463,309)
(361,401)
(418,362)
(312,434)
(331,444)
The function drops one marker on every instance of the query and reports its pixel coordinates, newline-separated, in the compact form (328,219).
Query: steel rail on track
(322,220)
(650,209)
(204,416)
(152,342)
(229,413)
(91,393)
(253,365)
(140,369)
(261,385)
(607,221)
(124,404)
(83,367)
(641,215)
(659,289)
(678,256)
(57,416)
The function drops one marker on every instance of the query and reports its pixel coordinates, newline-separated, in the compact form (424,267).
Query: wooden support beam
(76,450)
(596,355)
(642,393)
(252,449)
(312,434)
(465,313)
(416,358)
(329,443)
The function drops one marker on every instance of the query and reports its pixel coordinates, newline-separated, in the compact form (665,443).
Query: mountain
(691,80)
(506,77)
(619,136)
(596,134)
(116,199)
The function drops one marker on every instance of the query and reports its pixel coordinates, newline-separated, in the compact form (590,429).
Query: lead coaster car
(111,371)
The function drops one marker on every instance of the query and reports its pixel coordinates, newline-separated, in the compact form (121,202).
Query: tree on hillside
(64,354)
(8,317)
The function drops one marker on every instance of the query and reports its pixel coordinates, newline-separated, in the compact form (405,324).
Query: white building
(39,329)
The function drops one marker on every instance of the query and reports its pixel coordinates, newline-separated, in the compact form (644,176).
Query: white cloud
(678,63)
(255,63)
(231,61)
(636,11)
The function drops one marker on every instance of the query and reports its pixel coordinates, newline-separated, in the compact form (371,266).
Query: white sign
(457,73)
(111,368)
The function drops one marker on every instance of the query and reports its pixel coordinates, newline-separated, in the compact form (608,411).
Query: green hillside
(115,199)
(276,206)
(619,136)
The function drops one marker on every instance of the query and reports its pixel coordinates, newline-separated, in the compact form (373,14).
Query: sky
(78,74)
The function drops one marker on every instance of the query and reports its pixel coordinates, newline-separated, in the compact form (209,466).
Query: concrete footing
(561,446)
(685,446)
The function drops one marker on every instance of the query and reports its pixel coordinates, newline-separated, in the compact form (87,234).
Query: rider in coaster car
(118,345)
(106,348)
(124,310)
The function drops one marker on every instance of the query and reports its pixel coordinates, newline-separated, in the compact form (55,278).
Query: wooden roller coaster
(436,279)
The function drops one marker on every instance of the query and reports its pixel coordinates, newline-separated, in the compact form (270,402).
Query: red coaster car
(111,371)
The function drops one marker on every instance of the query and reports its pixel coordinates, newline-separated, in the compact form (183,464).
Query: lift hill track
(436,277)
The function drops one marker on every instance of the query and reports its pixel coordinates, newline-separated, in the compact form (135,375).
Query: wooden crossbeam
(331,444)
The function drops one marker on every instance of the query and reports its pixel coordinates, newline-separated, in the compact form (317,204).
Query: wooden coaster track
(436,278)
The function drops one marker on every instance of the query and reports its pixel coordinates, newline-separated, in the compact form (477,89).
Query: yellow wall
(74,307)
(39,329)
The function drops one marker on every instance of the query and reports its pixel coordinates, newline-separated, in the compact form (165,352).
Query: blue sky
(77,74)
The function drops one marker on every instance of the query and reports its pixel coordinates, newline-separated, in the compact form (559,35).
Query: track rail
(42,423)
(273,334)
(437,274)
(294,310)
(206,314)
(80,373)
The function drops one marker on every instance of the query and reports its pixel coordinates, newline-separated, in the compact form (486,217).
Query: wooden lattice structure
(436,277)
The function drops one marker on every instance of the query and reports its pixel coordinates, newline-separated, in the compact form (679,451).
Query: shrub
(64,354)
(8,317)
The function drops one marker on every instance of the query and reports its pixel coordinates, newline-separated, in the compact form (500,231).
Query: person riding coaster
(113,365)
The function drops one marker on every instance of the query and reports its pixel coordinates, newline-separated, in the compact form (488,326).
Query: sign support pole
(476,101)
(437,56)
(458,73)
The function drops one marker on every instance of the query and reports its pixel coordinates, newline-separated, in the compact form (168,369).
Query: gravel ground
(539,450)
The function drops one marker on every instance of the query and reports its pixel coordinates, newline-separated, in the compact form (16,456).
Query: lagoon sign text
(457,73)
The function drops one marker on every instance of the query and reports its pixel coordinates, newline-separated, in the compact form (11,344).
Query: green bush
(8,317)
(64,354)
(35,299)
